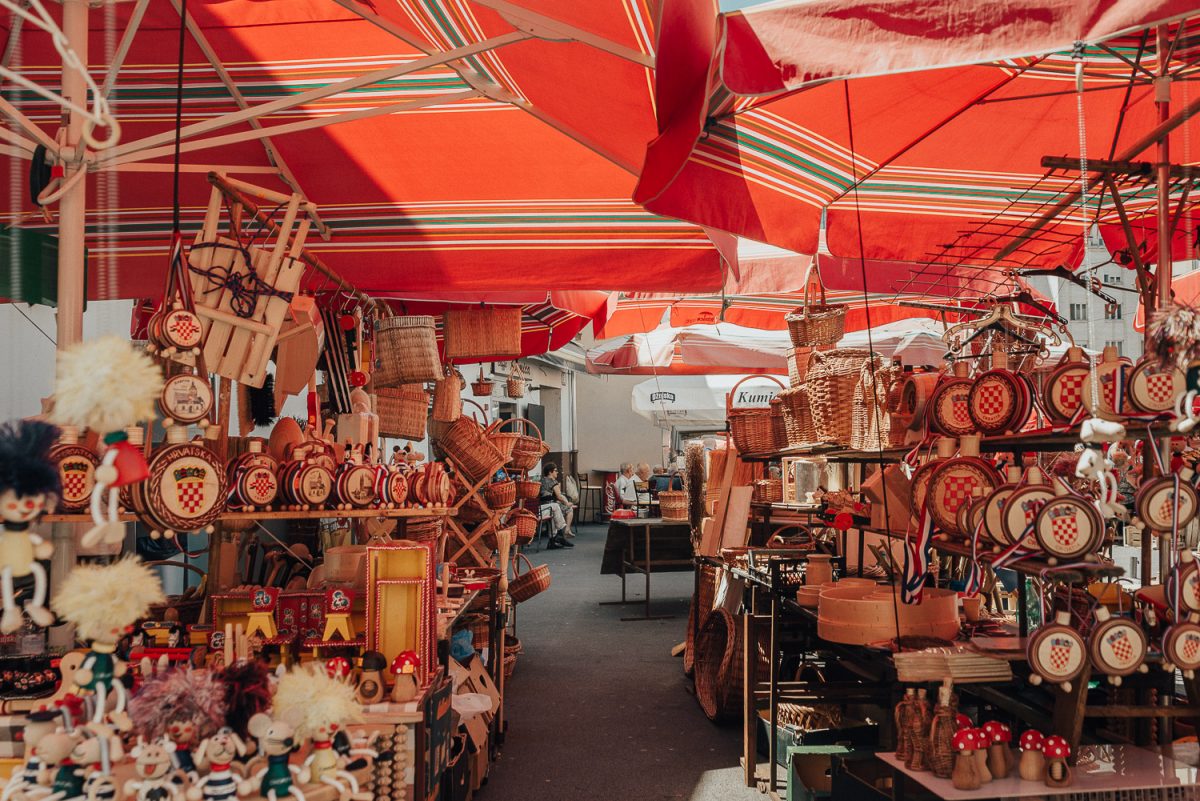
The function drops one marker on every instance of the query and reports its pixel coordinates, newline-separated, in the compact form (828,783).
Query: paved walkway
(598,708)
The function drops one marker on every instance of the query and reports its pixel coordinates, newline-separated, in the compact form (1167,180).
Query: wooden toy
(320,705)
(29,486)
(276,742)
(966,766)
(404,668)
(154,762)
(1032,766)
(1000,757)
(1056,750)
(216,755)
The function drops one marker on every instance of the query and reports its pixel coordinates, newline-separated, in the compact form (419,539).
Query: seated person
(625,486)
(561,510)
(642,484)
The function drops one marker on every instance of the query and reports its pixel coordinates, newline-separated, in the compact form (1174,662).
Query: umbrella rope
(178,116)
(1088,268)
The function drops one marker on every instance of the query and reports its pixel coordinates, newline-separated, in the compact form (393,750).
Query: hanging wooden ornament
(1152,388)
(1068,526)
(1117,646)
(391,486)
(1109,377)
(994,505)
(1181,646)
(999,401)
(919,486)
(949,406)
(1062,395)
(1156,503)
(354,485)
(186,398)
(1022,507)
(1057,653)
(76,465)
(306,481)
(953,483)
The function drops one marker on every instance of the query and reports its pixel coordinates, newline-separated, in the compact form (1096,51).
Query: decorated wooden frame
(401,602)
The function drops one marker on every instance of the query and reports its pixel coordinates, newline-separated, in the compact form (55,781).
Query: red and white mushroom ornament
(404,668)
(1056,750)
(1032,767)
(981,756)
(961,721)
(338,667)
(1000,756)
(966,765)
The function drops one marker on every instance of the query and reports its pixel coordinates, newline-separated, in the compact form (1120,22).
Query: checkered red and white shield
(1160,387)
(956,489)
(1122,646)
(1061,650)
(75,483)
(1190,646)
(960,411)
(190,494)
(1064,526)
(992,402)
(1069,393)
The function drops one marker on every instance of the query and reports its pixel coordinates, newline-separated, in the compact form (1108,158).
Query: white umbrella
(697,401)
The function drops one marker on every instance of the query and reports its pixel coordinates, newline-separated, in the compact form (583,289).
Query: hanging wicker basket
(527,585)
(526,524)
(515,384)
(528,489)
(402,411)
(816,324)
(501,495)
(447,396)
(528,447)
(406,350)
(751,428)
(466,444)
(482,387)
(492,332)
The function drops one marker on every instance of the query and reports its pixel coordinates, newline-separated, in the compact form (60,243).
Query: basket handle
(526,424)
(812,265)
(776,536)
(733,391)
(513,564)
(482,410)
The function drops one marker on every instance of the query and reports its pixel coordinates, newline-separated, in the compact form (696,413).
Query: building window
(1115,343)
(1112,312)
(1113,280)
(1078,311)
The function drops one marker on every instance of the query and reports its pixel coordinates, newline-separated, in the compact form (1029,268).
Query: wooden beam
(1144,279)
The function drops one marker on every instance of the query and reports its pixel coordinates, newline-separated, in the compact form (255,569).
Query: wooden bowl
(860,615)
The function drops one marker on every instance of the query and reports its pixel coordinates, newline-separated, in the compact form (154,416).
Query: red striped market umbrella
(460,146)
(943,132)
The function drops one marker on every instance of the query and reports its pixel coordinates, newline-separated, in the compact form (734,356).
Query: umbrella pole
(1163,270)
(72,210)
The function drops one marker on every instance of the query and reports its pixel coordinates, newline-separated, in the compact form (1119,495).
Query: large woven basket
(873,419)
(833,378)
(751,428)
(528,448)
(491,333)
(528,489)
(423,529)
(815,324)
(718,666)
(797,416)
(406,350)
(702,602)
(532,582)
(673,505)
(501,495)
(482,387)
(778,426)
(768,490)
(447,396)
(466,444)
(402,411)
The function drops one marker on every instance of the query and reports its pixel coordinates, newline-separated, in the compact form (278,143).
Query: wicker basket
(188,608)
(406,349)
(447,396)
(797,363)
(466,444)
(490,333)
(492,539)
(751,428)
(505,441)
(832,380)
(402,411)
(718,666)
(526,524)
(815,324)
(423,529)
(514,385)
(501,495)
(873,428)
(512,649)
(673,505)
(528,489)
(768,490)
(482,387)
(534,581)
(529,448)
(778,426)
(703,601)
(797,416)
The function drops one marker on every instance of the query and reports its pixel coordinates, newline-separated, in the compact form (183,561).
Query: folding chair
(545,523)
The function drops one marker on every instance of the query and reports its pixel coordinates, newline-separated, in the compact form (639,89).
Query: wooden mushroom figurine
(1032,766)
(1000,757)
(962,721)
(1056,750)
(370,678)
(404,668)
(339,668)
(966,764)
(981,755)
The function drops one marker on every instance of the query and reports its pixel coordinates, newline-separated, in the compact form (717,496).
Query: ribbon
(975,577)
(245,289)
(917,556)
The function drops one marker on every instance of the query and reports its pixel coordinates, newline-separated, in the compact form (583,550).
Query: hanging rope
(1088,269)
(178,119)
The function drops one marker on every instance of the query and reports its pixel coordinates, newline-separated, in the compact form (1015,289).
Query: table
(623,560)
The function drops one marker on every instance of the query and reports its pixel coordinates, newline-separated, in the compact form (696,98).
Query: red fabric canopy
(905,162)
(509,169)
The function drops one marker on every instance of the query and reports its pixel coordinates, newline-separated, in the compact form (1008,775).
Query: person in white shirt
(626,488)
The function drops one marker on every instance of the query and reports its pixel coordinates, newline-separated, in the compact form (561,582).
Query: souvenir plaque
(1069,527)
(1156,504)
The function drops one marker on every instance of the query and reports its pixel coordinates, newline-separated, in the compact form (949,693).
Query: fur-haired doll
(104,601)
(318,706)
(29,486)
(184,705)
